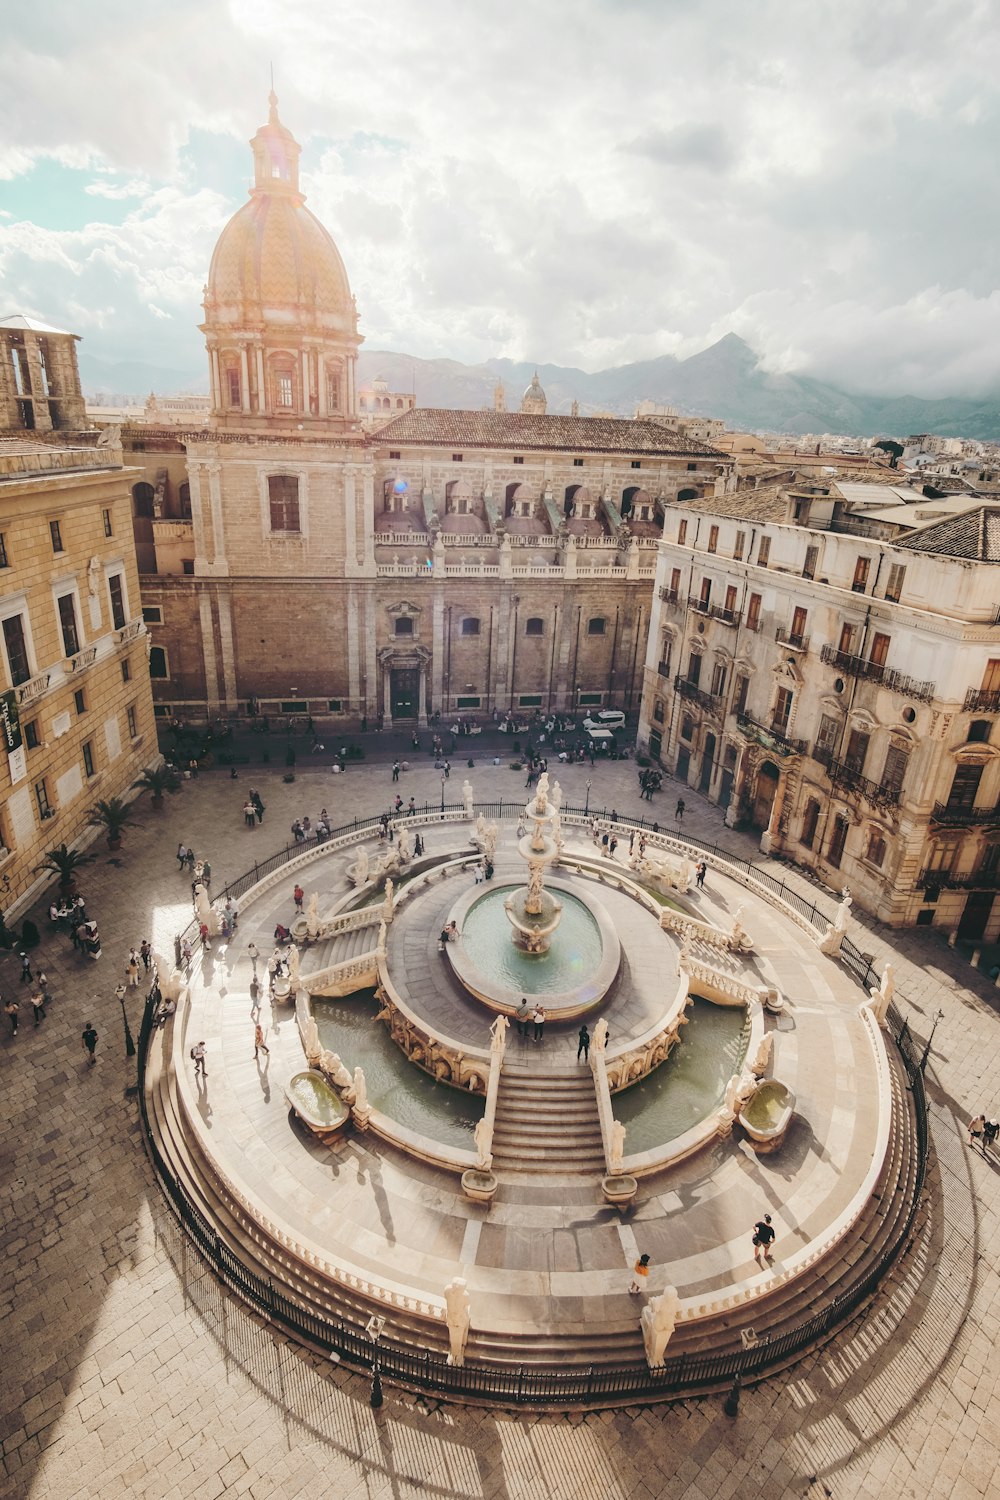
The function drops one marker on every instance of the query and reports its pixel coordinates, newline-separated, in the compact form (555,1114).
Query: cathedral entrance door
(405,692)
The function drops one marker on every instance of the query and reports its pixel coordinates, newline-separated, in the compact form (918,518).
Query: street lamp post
(442,795)
(373,1328)
(129,1043)
(586,809)
(927,1049)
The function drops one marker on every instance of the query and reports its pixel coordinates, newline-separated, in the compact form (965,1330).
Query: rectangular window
(838,839)
(117,600)
(531,700)
(782,710)
(797,634)
(404,625)
(896,761)
(17,649)
(395,453)
(31,735)
(88,758)
(456,458)
(809,566)
(875,853)
(706,593)
(846,643)
(828,735)
(126,671)
(152,614)
(742,689)
(682,534)
(991,677)
(519,460)
(42,798)
(694,668)
(283,498)
(596,625)
(578,463)
(718,680)
(659,713)
(468,701)
(809,822)
(964,787)
(675,581)
(713,539)
(284,382)
(333,393)
(56,535)
(860,575)
(880,649)
(130,720)
(66,605)
(763,551)
(4,559)
(894,584)
(857,750)
(187,566)
(729,608)
(739,546)
(753,612)
(80,700)
(106,515)
(470,627)
(233,387)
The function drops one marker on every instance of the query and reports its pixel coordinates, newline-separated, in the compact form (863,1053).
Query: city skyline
(586,186)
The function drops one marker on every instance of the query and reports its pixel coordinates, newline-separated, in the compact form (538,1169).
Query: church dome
(534,401)
(274,262)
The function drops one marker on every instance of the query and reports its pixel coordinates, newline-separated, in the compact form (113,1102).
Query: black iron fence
(421,1369)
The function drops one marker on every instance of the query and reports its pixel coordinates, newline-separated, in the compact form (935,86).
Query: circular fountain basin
(572,977)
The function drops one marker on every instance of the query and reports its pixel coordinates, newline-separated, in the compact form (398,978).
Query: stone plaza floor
(126,1370)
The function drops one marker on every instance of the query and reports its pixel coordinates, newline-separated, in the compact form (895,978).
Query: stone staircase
(547,1122)
(341,947)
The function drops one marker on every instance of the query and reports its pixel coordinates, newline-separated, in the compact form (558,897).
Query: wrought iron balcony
(787,638)
(964,817)
(695,694)
(670,596)
(699,606)
(82,660)
(871,671)
(770,739)
(851,780)
(982,700)
(663,668)
(983,880)
(726,616)
(33,688)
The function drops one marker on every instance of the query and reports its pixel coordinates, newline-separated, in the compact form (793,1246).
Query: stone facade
(78,712)
(829,672)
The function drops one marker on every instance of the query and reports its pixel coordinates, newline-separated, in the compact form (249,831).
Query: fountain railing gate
(404,1365)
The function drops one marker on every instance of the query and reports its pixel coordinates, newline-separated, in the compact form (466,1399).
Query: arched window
(333,391)
(687,495)
(596,625)
(283,376)
(399,403)
(232,386)
(142,500)
(158,662)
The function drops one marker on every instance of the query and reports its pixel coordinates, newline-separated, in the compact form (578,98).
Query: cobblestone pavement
(127,1371)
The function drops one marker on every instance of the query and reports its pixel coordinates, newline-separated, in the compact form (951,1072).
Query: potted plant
(113,816)
(64,862)
(160,779)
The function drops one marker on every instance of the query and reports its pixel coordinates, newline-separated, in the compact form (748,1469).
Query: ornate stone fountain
(532,911)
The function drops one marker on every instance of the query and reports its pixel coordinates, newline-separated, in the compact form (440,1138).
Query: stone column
(438,646)
(422,704)
(371,653)
(228,654)
(36,382)
(215,498)
(197,516)
(208,650)
(353,649)
(350,522)
(770,834)
(368,519)
(387,696)
(216,380)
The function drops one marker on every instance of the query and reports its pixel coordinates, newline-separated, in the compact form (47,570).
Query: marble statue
(498,1031)
(459,1318)
(684,956)
(404,844)
(310,1041)
(293,965)
(484,1144)
(535,887)
(170,980)
(361,1104)
(658,1320)
(93,576)
(684,875)
(359,870)
(204,910)
(480,830)
(762,1056)
(740,1088)
(542,793)
(387,907)
(739,938)
(616,1148)
(881,996)
(467,797)
(599,1039)
(834,935)
(334,1069)
(312,915)
(490,842)
(555,796)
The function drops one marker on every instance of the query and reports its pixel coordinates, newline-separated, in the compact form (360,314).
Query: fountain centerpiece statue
(532,911)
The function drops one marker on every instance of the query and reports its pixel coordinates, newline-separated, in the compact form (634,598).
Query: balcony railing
(848,779)
(984,880)
(128,632)
(789,638)
(982,700)
(964,817)
(727,616)
(695,694)
(770,739)
(871,671)
(33,688)
(670,596)
(700,606)
(82,660)
(663,668)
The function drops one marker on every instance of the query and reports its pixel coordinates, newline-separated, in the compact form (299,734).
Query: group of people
(253,808)
(650,781)
(530,1015)
(983,1132)
(304,828)
(40,996)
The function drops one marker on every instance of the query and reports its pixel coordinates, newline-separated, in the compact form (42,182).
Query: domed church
(465,562)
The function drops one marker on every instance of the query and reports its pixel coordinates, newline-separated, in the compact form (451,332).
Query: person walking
(763,1239)
(191,857)
(259,1045)
(640,1274)
(11,1011)
(699,879)
(298,896)
(538,1021)
(679,809)
(447,769)
(583,1043)
(990,1132)
(258,805)
(249,814)
(522,1017)
(395,770)
(254,953)
(146,954)
(88,1040)
(181,856)
(198,1054)
(38,1005)
(132,969)
(26,975)
(976,1127)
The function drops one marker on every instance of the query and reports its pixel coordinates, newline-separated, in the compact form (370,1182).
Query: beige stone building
(824,662)
(77,710)
(461,562)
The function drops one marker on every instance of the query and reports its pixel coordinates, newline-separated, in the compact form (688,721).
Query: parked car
(605,718)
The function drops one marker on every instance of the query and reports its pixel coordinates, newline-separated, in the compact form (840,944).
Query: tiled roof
(974,535)
(516,430)
(768,503)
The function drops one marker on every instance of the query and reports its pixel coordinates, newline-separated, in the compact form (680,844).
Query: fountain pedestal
(532,911)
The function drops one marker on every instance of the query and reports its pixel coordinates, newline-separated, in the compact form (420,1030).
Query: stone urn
(619,1188)
(478,1185)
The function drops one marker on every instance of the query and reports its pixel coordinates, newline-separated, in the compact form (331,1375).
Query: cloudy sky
(585,182)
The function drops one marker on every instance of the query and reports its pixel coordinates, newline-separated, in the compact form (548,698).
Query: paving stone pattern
(126,1370)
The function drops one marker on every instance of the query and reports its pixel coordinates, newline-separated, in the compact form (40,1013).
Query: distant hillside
(722,381)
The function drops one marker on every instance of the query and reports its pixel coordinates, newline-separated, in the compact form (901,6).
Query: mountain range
(724,381)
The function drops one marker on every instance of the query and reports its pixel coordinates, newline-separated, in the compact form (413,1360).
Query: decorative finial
(272,100)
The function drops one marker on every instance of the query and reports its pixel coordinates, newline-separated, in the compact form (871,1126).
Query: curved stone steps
(547,1121)
(340,948)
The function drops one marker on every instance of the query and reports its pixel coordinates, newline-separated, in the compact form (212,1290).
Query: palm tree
(160,779)
(113,816)
(64,862)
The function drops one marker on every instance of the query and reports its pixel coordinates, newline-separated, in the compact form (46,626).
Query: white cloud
(588,181)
